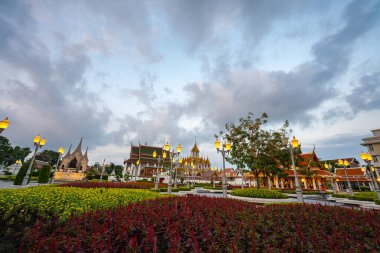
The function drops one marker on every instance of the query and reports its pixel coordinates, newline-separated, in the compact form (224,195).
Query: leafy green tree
(119,170)
(256,148)
(49,156)
(9,155)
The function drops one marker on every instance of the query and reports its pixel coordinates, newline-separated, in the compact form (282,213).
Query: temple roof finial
(79,148)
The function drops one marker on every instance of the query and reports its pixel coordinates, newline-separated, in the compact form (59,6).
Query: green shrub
(165,190)
(35,173)
(44,176)
(310,192)
(365,189)
(339,195)
(184,189)
(372,195)
(361,198)
(21,173)
(259,193)
(377,202)
(104,177)
(6,178)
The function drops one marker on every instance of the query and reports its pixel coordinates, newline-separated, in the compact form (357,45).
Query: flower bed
(63,201)
(21,208)
(259,193)
(128,185)
(201,224)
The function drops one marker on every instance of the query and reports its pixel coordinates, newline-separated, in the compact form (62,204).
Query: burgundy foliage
(201,224)
(129,185)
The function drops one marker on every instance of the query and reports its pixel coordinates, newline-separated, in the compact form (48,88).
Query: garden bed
(201,224)
(21,208)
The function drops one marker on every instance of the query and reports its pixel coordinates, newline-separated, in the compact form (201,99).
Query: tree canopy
(9,154)
(256,148)
(49,156)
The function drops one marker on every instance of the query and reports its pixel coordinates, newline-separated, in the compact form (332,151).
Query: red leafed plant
(129,185)
(202,224)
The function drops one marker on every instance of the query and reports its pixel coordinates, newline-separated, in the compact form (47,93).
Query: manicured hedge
(305,192)
(44,174)
(21,173)
(173,189)
(201,224)
(360,196)
(259,193)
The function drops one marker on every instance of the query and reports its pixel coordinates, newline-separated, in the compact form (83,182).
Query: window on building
(370,147)
(375,159)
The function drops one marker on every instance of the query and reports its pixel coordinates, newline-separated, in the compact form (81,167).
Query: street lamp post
(368,158)
(38,143)
(156,183)
(101,173)
(187,174)
(224,149)
(172,155)
(329,167)
(345,163)
(192,174)
(4,124)
(176,171)
(292,145)
(60,152)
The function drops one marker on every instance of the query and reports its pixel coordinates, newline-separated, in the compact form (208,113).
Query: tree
(255,148)
(49,156)
(9,155)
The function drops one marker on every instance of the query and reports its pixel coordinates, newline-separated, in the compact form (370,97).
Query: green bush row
(173,189)
(303,192)
(259,193)
(377,201)
(361,198)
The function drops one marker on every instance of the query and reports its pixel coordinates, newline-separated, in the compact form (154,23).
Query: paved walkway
(9,185)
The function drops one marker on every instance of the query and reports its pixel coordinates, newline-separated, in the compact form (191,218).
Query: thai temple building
(311,173)
(73,165)
(142,164)
(201,165)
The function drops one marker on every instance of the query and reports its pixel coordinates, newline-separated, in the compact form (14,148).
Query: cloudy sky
(116,72)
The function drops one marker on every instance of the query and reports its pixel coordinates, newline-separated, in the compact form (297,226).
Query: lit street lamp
(292,145)
(4,124)
(38,143)
(329,167)
(158,167)
(60,152)
(172,155)
(368,158)
(224,149)
(345,163)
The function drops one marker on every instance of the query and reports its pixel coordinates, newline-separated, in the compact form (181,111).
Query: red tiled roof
(350,172)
